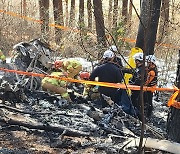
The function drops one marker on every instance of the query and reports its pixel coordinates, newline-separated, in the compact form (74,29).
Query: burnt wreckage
(34,56)
(83,117)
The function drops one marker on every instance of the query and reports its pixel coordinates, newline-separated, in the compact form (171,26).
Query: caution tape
(65,28)
(20,16)
(104,84)
(75,30)
(171,102)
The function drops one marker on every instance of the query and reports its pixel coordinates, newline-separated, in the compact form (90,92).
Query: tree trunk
(130,11)
(24,23)
(110,14)
(24,11)
(44,17)
(81,14)
(115,13)
(173,123)
(146,38)
(164,20)
(24,6)
(89,10)
(129,20)
(72,14)
(125,10)
(58,19)
(66,13)
(99,20)
(1,34)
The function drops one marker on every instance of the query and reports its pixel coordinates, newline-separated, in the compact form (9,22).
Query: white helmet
(151,58)
(113,48)
(138,56)
(108,54)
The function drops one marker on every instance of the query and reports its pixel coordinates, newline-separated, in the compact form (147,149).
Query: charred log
(59,128)
(173,123)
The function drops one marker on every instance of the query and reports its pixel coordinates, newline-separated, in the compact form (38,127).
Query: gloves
(4,62)
(95,89)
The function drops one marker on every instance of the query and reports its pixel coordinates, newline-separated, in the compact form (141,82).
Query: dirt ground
(23,142)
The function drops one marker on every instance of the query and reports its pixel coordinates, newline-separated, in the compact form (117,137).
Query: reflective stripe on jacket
(69,65)
(2,56)
(54,81)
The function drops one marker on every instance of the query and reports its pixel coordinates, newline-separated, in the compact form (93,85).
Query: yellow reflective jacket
(2,56)
(70,65)
(54,81)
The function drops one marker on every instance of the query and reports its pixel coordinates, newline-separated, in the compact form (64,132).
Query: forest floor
(16,139)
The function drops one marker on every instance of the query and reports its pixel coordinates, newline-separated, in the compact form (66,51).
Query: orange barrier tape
(40,21)
(75,30)
(105,84)
(172,101)
(21,16)
(172,98)
(176,105)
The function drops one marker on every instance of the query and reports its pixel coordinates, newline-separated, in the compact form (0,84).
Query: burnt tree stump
(173,122)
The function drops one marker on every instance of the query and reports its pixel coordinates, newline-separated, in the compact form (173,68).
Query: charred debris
(25,107)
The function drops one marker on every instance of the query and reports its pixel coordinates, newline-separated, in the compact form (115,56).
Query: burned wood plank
(164,145)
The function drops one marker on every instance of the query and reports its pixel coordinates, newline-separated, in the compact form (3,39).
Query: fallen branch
(58,128)
(14,109)
(35,113)
(147,127)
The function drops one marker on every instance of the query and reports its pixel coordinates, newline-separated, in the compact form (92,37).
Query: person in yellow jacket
(66,68)
(2,56)
(55,85)
(71,66)
(131,62)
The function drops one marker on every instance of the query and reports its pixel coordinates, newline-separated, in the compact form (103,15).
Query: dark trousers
(148,106)
(135,98)
(148,97)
